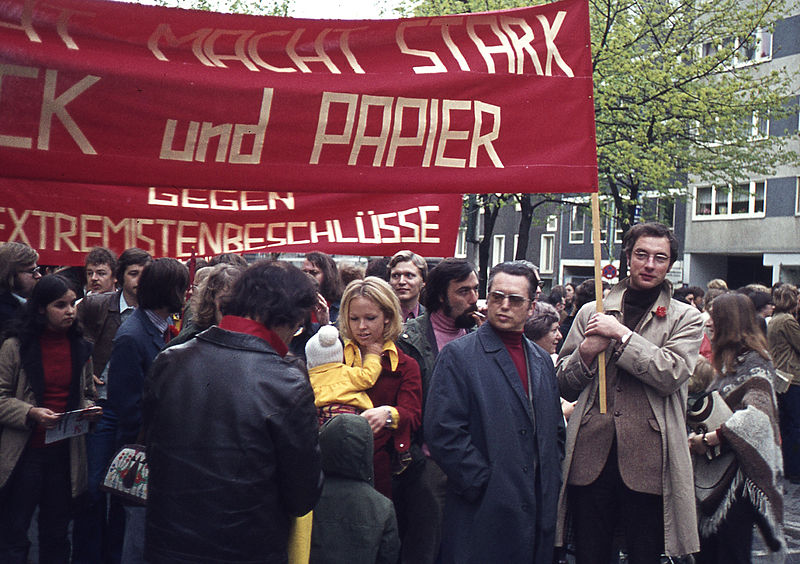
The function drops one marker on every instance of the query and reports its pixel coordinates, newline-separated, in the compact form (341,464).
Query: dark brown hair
(651,229)
(736,330)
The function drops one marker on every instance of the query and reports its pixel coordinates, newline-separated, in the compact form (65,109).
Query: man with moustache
(101,269)
(450,299)
(97,530)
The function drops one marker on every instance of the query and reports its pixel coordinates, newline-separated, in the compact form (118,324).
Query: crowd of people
(334,414)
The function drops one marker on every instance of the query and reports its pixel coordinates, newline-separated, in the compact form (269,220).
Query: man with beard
(450,298)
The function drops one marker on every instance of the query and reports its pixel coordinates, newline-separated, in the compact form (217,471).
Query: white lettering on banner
(62,22)
(246,48)
(58,231)
(392,112)
(194,148)
(52,105)
(231,200)
(514,41)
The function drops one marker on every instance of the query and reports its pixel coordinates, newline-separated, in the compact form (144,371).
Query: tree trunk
(491,207)
(524,229)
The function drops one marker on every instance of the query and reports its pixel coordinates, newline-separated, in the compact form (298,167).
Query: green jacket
(418,342)
(353,522)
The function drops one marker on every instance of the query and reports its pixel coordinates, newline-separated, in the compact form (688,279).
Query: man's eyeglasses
(514,300)
(32,271)
(645,257)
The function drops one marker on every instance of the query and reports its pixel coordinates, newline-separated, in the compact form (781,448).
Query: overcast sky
(343,9)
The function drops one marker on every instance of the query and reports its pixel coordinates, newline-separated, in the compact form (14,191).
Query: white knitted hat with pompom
(324,347)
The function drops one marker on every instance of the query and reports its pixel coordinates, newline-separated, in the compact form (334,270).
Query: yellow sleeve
(395,417)
(300,539)
(365,377)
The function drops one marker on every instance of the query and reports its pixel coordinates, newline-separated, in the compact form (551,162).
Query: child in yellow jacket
(339,388)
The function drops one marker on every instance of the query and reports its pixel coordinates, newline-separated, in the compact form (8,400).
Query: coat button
(525,506)
(523,432)
(617,413)
(619,388)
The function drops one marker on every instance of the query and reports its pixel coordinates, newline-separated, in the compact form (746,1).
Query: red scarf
(256,329)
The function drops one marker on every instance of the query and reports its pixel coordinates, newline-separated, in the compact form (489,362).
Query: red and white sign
(64,220)
(115,94)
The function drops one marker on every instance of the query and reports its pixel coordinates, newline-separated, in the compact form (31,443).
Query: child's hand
(375,348)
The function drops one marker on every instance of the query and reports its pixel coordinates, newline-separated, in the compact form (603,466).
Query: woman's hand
(377,417)
(44,417)
(321,310)
(698,446)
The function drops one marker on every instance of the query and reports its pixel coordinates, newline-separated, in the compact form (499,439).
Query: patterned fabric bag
(713,472)
(127,475)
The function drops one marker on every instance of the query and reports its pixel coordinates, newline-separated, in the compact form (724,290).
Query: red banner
(110,93)
(64,220)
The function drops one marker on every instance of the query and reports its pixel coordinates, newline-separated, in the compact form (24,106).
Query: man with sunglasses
(629,469)
(493,423)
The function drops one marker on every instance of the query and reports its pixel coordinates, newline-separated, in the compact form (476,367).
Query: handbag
(127,474)
(715,470)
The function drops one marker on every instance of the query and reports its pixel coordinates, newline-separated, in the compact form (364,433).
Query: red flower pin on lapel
(661,312)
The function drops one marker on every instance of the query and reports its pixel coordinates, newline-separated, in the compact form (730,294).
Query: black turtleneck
(636,303)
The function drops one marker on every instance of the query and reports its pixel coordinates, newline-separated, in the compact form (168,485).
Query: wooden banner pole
(598,292)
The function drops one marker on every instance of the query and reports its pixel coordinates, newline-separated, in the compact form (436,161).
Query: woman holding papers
(44,372)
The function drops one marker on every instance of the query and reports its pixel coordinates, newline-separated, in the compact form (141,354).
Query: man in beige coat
(629,469)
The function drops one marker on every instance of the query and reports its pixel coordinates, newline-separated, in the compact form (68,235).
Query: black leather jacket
(232,445)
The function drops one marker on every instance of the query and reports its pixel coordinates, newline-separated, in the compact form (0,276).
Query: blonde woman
(370,313)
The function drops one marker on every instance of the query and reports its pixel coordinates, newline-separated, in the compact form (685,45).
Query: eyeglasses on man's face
(514,300)
(644,256)
(33,271)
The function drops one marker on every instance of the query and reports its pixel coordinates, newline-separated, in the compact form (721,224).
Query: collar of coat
(613,301)
(352,354)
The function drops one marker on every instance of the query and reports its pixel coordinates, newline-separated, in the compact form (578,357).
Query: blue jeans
(133,547)
(41,478)
(789,407)
(99,526)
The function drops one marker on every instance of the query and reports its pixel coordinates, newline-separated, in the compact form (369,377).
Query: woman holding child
(369,315)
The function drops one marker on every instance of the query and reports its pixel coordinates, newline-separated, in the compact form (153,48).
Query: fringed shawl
(752,433)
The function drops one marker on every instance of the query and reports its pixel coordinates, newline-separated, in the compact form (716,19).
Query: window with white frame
(755,48)
(797,198)
(498,249)
(603,234)
(547,253)
(516,246)
(665,212)
(741,200)
(577,224)
(552,223)
(461,243)
(759,126)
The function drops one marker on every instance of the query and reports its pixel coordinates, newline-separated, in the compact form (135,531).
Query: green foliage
(254,7)
(677,89)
